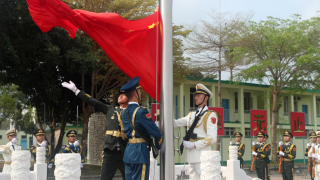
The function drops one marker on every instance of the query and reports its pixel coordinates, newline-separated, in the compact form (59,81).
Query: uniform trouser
(288,174)
(241,163)
(261,169)
(317,172)
(137,171)
(311,166)
(6,168)
(268,171)
(262,173)
(112,160)
(194,171)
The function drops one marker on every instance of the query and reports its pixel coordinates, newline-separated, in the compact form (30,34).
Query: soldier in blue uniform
(73,146)
(42,143)
(137,121)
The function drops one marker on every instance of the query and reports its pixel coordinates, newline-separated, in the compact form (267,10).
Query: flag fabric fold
(134,46)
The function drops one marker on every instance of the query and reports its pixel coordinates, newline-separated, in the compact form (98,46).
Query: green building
(237,101)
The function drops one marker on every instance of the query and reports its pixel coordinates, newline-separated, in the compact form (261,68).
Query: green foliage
(284,53)
(14,108)
(180,68)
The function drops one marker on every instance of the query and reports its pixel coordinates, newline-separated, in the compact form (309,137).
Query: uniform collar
(287,143)
(238,142)
(204,109)
(133,103)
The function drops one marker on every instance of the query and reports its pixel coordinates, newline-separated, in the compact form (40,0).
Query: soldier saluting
(73,145)
(289,154)
(41,143)
(7,149)
(115,140)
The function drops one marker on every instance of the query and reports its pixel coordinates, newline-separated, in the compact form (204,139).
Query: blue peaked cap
(131,85)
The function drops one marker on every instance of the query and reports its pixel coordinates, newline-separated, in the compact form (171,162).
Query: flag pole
(167,164)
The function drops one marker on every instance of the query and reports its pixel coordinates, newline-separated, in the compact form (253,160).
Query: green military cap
(260,134)
(313,135)
(287,133)
(71,133)
(238,134)
(266,135)
(39,132)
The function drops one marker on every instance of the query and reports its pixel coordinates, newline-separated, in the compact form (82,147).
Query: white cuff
(77,92)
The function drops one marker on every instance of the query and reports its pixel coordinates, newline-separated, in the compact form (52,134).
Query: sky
(190,11)
(187,12)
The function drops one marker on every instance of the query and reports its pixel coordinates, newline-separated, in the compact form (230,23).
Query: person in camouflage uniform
(289,154)
(261,153)
(241,147)
(42,143)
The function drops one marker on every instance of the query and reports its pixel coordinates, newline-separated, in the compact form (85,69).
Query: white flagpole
(167,164)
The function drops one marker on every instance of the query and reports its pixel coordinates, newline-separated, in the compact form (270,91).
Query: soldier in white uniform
(7,150)
(317,157)
(204,132)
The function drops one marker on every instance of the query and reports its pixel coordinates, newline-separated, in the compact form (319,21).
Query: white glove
(50,166)
(280,143)
(76,143)
(70,86)
(313,145)
(254,153)
(43,144)
(281,153)
(157,123)
(188,144)
(231,143)
(308,145)
(14,140)
(253,143)
(81,165)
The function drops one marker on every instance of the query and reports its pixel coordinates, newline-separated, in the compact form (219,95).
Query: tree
(39,62)
(15,110)
(210,39)
(180,68)
(284,54)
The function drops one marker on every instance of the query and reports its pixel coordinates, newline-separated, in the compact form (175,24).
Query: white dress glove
(76,143)
(254,153)
(50,166)
(43,144)
(253,143)
(231,143)
(280,143)
(188,144)
(81,165)
(157,123)
(313,145)
(281,153)
(14,140)
(308,145)
(70,86)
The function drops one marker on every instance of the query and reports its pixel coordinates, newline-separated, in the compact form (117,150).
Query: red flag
(134,46)
(258,121)
(297,124)
(219,111)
